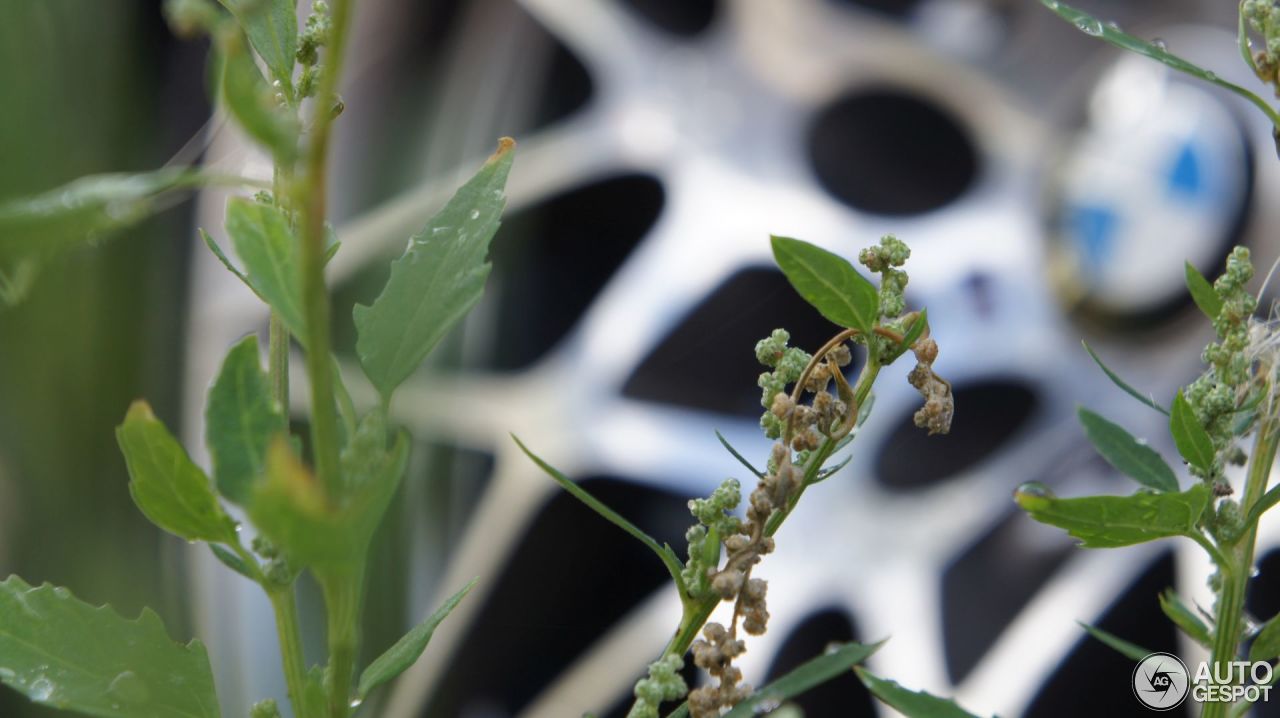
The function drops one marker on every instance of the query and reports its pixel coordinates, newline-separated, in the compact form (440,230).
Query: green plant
(312,510)
(1210,421)
(724,549)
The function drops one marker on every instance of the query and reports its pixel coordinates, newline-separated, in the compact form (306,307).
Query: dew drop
(41,689)
(62,592)
(1051,4)
(7,675)
(1113,25)
(1159,44)
(1033,489)
(129,688)
(765,705)
(475,214)
(355,702)
(1089,26)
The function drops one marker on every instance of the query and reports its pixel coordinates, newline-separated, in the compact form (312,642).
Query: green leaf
(914,704)
(1112,521)
(1185,618)
(1269,499)
(1189,436)
(35,229)
(261,236)
(665,553)
(436,282)
(400,656)
(1267,644)
(1115,379)
(171,490)
(741,459)
(1202,292)
(292,509)
(1131,457)
(834,661)
(252,101)
(272,27)
(240,418)
(1113,35)
(1129,650)
(233,562)
(65,653)
(914,332)
(828,282)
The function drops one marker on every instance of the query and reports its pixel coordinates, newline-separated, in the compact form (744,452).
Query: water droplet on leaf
(7,675)
(475,214)
(129,688)
(1089,26)
(1159,44)
(62,592)
(41,689)
(1033,489)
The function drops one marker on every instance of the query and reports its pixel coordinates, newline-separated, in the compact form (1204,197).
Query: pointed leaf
(1185,618)
(436,282)
(1129,650)
(272,27)
(261,236)
(915,704)
(232,561)
(252,101)
(828,282)
(734,453)
(1189,436)
(1269,499)
(1115,379)
(1115,36)
(64,653)
(400,656)
(1112,521)
(240,418)
(668,556)
(915,331)
(1131,457)
(1202,292)
(1267,644)
(171,490)
(814,672)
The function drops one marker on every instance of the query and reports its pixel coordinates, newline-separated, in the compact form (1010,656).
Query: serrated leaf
(1129,456)
(36,229)
(292,509)
(1112,521)
(665,553)
(436,282)
(1129,650)
(1267,643)
(253,103)
(166,485)
(261,236)
(240,418)
(1202,292)
(913,704)
(1189,436)
(406,651)
(829,282)
(1184,618)
(65,653)
(1115,379)
(272,27)
(1115,36)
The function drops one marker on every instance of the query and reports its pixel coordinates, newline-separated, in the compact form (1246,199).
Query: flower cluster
(787,364)
(714,523)
(664,683)
(885,260)
(714,653)
(1217,395)
(314,37)
(1264,17)
(939,405)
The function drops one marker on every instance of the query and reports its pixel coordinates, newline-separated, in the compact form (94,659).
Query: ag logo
(1160,681)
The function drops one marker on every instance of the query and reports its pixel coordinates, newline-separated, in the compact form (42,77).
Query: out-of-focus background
(1050,186)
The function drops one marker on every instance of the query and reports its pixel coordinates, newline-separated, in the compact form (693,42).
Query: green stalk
(1235,574)
(342,597)
(285,606)
(278,361)
(315,296)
